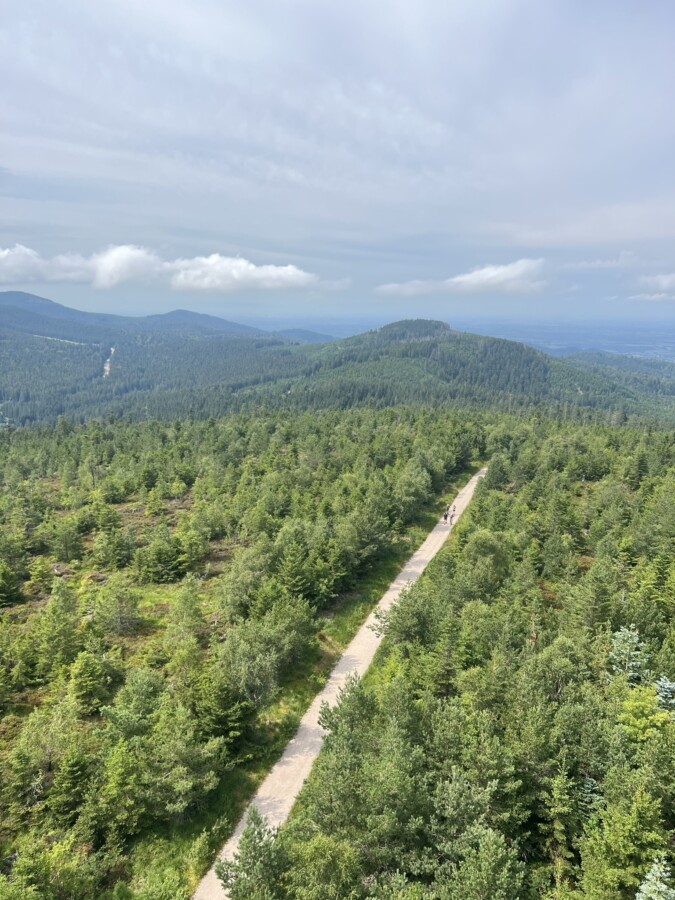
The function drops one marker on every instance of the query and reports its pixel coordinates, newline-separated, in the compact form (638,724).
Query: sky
(306,160)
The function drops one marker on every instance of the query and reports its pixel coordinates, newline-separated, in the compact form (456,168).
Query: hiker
(445,517)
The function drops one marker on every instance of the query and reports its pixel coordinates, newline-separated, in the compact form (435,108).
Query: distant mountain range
(29,314)
(57,361)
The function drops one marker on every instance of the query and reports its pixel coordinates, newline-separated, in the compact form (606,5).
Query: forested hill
(29,314)
(425,361)
(649,376)
(55,361)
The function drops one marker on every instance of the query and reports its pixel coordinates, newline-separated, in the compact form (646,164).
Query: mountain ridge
(180,364)
(25,312)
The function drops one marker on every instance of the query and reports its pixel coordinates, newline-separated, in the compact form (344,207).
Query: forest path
(276,795)
(108,363)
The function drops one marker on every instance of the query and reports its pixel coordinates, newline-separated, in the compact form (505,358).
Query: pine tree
(10,592)
(69,788)
(665,691)
(91,679)
(490,869)
(656,884)
(56,639)
(627,656)
(258,864)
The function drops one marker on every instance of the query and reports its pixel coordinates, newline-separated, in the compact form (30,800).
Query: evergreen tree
(69,788)
(665,691)
(92,677)
(656,884)
(627,656)
(10,592)
(490,869)
(255,872)
(55,631)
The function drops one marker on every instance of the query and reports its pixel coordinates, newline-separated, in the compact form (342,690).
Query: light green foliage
(40,575)
(161,560)
(117,801)
(55,633)
(324,868)
(257,864)
(641,715)
(43,743)
(135,703)
(620,845)
(56,869)
(488,869)
(181,769)
(114,607)
(17,889)
(513,741)
(65,540)
(256,653)
(112,549)
(68,790)
(500,749)
(92,679)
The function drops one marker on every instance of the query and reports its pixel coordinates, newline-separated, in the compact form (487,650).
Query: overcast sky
(359,158)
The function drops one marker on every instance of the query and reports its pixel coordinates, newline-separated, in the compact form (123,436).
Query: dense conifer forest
(181,365)
(383,610)
(186,553)
(516,738)
(160,584)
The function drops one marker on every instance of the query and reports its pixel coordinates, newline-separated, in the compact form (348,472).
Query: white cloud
(625,260)
(124,263)
(20,265)
(128,263)
(658,297)
(660,283)
(519,277)
(315,133)
(228,273)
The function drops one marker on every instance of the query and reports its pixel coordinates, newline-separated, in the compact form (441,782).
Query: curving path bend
(276,795)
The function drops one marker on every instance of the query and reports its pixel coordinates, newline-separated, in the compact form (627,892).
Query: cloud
(128,263)
(519,277)
(314,133)
(660,283)
(656,298)
(20,265)
(625,260)
(117,265)
(227,273)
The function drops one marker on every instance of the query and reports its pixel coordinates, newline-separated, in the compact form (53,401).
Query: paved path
(276,795)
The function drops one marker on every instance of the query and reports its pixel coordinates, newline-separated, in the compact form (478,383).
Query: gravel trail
(276,795)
